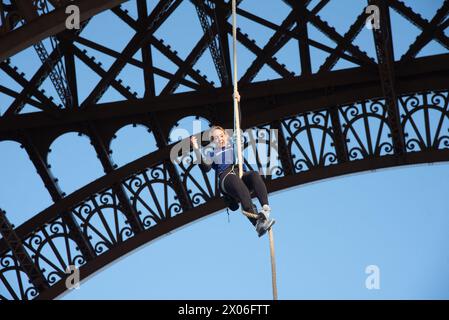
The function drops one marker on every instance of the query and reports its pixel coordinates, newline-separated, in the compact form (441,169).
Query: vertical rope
(236,103)
(239,143)
(273,264)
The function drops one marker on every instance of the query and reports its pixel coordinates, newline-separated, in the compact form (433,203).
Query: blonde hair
(211,130)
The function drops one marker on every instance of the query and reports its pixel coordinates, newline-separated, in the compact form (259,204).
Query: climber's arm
(205,163)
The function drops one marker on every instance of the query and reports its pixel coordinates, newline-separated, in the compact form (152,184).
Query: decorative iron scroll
(14,283)
(309,137)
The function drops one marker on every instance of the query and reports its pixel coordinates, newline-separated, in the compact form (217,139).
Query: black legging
(239,189)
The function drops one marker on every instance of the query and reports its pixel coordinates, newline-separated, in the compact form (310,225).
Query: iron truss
(329,123)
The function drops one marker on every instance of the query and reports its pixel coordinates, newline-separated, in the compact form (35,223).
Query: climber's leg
(254,181)
(235,187)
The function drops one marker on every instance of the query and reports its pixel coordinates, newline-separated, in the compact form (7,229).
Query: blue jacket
(219,159)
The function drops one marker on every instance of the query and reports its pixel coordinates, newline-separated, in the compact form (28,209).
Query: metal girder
(134,62)
(335,36)
(69,59)
(385,58)
(420,22)
(260,54)
(284,33)
(295,34)
(277,41)
(57,195)
(204,10)
(444,26)
(4,23)
(312,91)
(162,143)
(220,10)
(198,50)
(320,5)
(210,32)
(284,152)
(48,25)
(172,56)
(29,88)
(303,43)
(324,27)
(47,68)
(107,163)
(15,95)
(56,74)
(145,237)
(185,66)
(429,33)
(160,13)
(348,38)
(147,57)
(97,68)
(26,9)
(14,244)
(339,140)
(108,166)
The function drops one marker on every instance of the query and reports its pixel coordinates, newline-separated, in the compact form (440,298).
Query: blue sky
(326,233)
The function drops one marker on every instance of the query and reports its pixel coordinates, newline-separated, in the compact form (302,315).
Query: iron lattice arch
(383,112)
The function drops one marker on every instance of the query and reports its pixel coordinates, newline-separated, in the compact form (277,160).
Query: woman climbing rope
(222,161)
